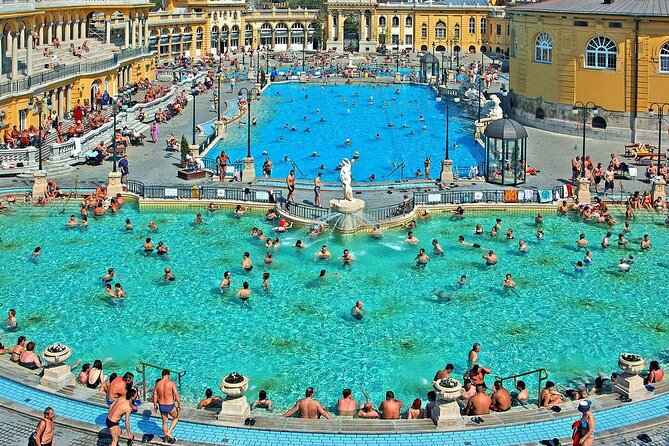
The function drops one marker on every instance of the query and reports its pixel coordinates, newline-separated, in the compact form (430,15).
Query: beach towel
(545,196)
(528,195)
(478,196)
(511,196)
(77,148)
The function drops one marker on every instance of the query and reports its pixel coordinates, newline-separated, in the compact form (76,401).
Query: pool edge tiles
(67,407)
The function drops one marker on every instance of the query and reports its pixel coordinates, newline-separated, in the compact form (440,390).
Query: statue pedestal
(234,409)
(657,190)
(57,377)
(630,386)
(351,214)
(583,191)
(114,185)
(446,176)
(447,412)
(398,78)
(303,77)
(480,127)
(221,129)
(39,185)
(249,172)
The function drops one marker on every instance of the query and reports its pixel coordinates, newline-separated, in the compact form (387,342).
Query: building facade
(31,65)
(612,53)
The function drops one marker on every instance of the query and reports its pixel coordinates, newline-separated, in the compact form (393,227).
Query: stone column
(22,39)
(146,31)
(68,97)
(107,30)
(446,175)
(657,189)
(14,56)
(76,33)
(140,29)
(583,191)
(49,33)
(340,29)
(3,49)
(127,34)
(133,32)
(39,185)
(59,31)
(67,31)
(61,102)
(84,30)
(29,55)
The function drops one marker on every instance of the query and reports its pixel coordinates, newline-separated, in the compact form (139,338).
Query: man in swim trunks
(44,434)
(308,407)
(324,254)
(148,246)
(357,311)
(120,408)
(317,189)
(390,408)
(169,275)
(222,161)
(347,257)
(247,265)
(422,258)
(501,398)
(290,183)
(490,258)
(479,404)
(118,387)
(245,292)
(169,403)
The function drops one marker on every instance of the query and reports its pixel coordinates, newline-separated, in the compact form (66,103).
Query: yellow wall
(498,40)
(567,79)
(430,18)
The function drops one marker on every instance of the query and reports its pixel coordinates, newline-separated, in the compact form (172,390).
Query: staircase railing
(141,368)
(401,168)
(542,375)
(296,167)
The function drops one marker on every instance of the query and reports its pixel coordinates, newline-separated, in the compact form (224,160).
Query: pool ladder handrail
(543,376)
(141,367)
(400,166)
(296,167)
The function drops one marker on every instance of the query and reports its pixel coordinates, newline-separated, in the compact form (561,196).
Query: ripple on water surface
(300,333)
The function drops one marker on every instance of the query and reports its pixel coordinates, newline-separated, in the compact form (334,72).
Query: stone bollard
(39,185)
(114,185)
(249,172)
(629,383)
(235,407)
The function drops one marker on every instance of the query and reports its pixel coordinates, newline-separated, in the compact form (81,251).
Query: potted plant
(57,353)
(234,385)
(630,363)
(448,389)
(185,147)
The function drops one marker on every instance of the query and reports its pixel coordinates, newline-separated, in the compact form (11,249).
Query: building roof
(644,8)
(460,4)
(506,129)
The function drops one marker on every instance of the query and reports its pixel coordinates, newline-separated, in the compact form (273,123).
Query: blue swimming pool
(295,120)
(300,333)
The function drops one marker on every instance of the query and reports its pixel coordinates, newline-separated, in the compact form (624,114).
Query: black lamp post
(114,113)
(584,108)
(38,104)
(304,45)
(450,54)
(220,79)
(267,62)
(398,56)
(481,49)
(480,81)
(249,97)
(194,91)
(448,107)
(258,66)
(660,117)
(433,61)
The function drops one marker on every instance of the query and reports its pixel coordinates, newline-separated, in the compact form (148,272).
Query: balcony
(166,18)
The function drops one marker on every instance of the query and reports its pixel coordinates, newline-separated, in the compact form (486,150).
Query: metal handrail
(399,166)
(141,366)
(541,373)
(295,166)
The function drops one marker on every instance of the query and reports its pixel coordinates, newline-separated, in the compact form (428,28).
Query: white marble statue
(473,94)
(495,111)
(345,177)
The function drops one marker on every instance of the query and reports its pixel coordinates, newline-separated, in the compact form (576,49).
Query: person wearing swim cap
(584,428)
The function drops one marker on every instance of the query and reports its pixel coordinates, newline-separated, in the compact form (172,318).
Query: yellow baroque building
(30,65)
(614,53)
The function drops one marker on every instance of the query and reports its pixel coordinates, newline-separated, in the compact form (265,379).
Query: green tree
(184,148)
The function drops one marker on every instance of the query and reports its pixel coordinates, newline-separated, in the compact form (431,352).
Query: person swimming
(162,249)
(148,246)
(579,268)
(169,276)
(437,248)
(128,225)
(247,264)
(109,276)
(422,258)
(36,253)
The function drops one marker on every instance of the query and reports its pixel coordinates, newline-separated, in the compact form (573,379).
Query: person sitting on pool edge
(346,404)
(551,397)
(478,404)
(390,408)
(308,407)
(209,401)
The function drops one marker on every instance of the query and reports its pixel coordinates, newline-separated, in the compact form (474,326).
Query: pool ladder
(542,374)
(401,167)
(296,167)
(141,367)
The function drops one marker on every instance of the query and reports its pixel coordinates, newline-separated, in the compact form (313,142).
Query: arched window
(484,25)
(540,113)
(395,21)
(408,22)
(265,27)
(440,30)
(664,58)
(382,21)
(456,31)
(472,25)
(543,48)
(601,53)
(598,122)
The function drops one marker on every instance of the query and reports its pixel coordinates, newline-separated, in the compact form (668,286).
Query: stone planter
(447,394)
(57,357)
(631,367)
(234,390)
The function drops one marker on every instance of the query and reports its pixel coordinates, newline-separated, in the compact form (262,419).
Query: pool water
(288,104)
(301,333)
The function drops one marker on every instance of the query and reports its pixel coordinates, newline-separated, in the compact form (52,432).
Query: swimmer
(128,225)
(198,219)
(623,266)
(376,232)
(490,258)
(645,243)
(479,229)
(162,249)
(36,253)
(356,155)
(509,234)
(323,254)
(390,125)
(627,228)
(109,276)
(84,222)
(247,265)
(422,258)
(225,283)
(424,127)
(120,293)
(357,312)
(540,234)
(321,275)
(372,178)
(579,268)
(299,244)
(630,259)
(588,258)
(239,210)
(321,167)
(605,240)
(421,118)
(498,224)
(437,248)
(443,296)
(522,246)
(347,142)
(404,126)
(582,242)
(347,257)
(108,289)
(322,120)
(622,241)
(314,154)
(268,259)
(72,222)
(169,276)
(265,281)
(539,219)
(268,243)
(493,231)
(508,282)
(378,136)
(254,232)
(148,246)
(458,211)
(411,239)
(462,281)
(245,292)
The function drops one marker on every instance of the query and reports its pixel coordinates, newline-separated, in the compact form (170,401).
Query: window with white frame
(484,25)
(664,58)
(601,52)
(472,25)
(440,30)
(408,22)
(382,21)
(543,48)
(456,31)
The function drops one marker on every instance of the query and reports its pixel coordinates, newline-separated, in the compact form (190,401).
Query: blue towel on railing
(545,196)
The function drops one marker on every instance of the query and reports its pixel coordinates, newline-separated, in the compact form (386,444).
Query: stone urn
(234,385)
(448,389)
(57,353)
(631,364)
